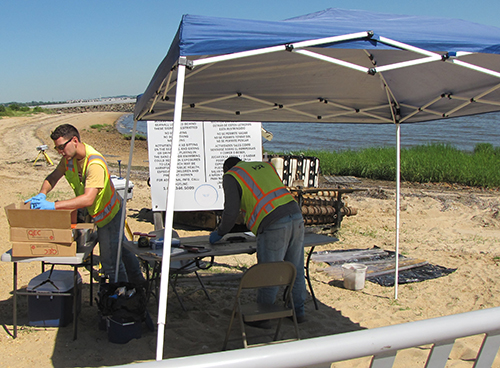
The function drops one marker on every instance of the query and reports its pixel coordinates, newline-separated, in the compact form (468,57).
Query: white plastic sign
(203,148)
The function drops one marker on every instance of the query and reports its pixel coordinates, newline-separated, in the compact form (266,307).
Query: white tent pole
(474,67)
(267,50)
(405,46)
(332,60)
(124,204)
(398,195)
(169,215)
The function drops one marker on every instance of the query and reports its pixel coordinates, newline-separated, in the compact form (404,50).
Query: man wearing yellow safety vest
(272,214)
(87,173)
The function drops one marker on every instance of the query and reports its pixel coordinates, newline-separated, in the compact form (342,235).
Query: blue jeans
(129,269)
(284,240)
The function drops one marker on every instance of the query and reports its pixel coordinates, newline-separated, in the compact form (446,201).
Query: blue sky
(56,50)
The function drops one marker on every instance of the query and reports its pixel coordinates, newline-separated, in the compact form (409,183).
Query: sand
(450,226)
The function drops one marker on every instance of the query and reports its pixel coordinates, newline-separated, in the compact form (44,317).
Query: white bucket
(354,276)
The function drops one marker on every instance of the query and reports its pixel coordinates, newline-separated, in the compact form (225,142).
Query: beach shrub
(138,137)
(15,106)
(421,164)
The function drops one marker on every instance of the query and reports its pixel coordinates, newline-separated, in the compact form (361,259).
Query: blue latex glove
(43,205)
(214,237)
(36,199)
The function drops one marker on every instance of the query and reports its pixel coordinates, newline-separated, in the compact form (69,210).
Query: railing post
(439,354)
(488,350)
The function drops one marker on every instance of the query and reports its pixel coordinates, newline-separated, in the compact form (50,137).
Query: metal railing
(381,343)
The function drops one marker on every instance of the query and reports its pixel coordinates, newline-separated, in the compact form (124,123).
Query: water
(463,133)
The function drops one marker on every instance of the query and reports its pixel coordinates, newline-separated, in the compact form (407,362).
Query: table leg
(14,298)
(308,277)
(75,293)
(91,277)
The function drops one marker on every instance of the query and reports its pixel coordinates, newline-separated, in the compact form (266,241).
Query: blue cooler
(45,307)
(121,332)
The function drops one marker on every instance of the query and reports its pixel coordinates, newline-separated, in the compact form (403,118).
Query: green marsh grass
(421,164)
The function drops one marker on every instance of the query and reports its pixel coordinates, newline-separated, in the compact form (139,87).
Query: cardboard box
(33,234)
(56,226)
(32,249)
(30,234)
(24,216)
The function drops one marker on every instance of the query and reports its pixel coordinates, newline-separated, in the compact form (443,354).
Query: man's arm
(232,200)
(81,201)
(47,185)
(93,183)
(51,180)
(84,200)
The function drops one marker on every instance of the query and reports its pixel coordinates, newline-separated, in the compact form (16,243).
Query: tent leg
(398,205)
(169,214)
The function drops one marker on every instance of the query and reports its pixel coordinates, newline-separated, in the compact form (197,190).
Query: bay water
(462,133)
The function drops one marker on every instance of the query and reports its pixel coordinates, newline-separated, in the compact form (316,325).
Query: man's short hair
(229,163)
(67,131)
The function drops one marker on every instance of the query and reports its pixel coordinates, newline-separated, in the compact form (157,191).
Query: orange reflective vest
(262,191)
(107,202)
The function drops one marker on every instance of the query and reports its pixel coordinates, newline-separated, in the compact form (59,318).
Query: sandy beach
(451,226)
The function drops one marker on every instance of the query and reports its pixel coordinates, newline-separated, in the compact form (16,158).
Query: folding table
(231,244)
(83,257)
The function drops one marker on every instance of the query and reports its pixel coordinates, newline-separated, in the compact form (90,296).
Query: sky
(58,50)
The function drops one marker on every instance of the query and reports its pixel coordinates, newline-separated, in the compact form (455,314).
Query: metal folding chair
(265,275)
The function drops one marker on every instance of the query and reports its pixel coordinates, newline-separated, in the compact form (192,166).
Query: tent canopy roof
(312,82)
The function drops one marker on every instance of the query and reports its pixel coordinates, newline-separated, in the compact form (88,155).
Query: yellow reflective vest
(107,202)
(262,191)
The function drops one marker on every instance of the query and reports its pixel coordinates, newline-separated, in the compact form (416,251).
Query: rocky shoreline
(119,107)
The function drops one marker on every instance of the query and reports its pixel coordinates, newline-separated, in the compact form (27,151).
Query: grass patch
(138,137)
(103,127)
(421,164)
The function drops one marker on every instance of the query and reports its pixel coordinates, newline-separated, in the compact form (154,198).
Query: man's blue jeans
(129,269)
(284,240)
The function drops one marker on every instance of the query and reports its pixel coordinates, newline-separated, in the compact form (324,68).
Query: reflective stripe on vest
(265,202)
(108,208)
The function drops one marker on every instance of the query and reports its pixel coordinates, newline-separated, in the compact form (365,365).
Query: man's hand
(214,237)
(36,199)
(43,205)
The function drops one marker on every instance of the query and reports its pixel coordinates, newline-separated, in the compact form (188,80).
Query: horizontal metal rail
(382,343)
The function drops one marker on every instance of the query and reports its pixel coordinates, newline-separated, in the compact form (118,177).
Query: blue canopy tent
(333,66)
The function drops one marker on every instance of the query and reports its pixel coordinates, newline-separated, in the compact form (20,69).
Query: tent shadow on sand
(200,330)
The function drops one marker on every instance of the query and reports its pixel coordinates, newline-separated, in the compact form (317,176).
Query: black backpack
(123,301)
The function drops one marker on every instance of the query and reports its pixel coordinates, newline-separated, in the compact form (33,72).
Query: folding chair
(265,275)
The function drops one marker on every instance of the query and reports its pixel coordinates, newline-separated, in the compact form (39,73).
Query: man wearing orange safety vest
(272,214)
(87,173)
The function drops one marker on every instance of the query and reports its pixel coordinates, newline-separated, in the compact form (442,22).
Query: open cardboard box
(42,232)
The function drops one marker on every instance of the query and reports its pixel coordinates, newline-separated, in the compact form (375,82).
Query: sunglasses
(61,147)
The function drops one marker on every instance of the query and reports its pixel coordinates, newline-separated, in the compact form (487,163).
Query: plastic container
(158,243)
(47,308)
(354,276)
(119,184)
(120,332)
